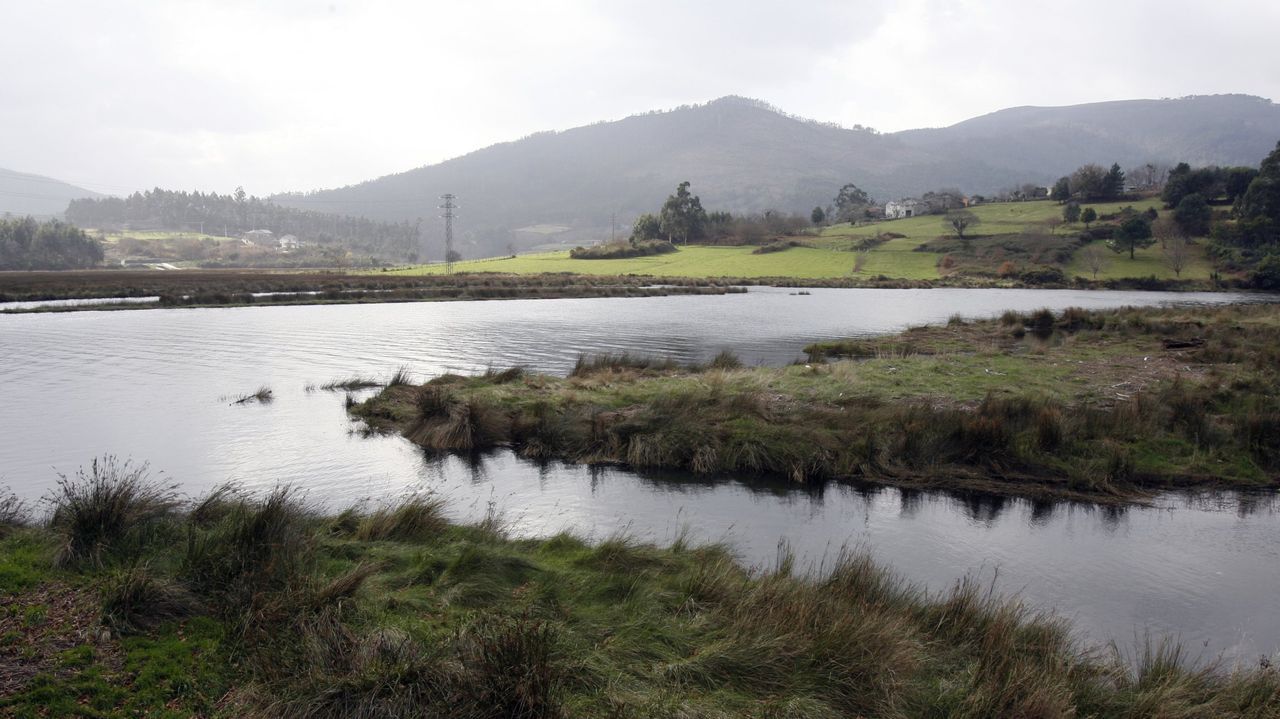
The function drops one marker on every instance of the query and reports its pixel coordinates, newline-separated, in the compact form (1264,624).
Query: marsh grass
(401,377)
(136,600)
(416,517)
(995,404)
(262,395)
(14,512)
(350,384)
(588,365)
(396,613)
(110,511)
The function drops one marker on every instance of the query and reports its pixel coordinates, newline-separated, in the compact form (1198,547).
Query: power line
(448,216)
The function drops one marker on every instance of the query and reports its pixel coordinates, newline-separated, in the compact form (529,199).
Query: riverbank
(1106,405)
(132,601)
(201,288)
(222,288)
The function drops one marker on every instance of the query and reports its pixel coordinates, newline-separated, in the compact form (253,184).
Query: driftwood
(1182,344)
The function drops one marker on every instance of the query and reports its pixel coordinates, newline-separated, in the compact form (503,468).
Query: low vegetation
(270,608)
(622,250)
(217,288)
(1095,404)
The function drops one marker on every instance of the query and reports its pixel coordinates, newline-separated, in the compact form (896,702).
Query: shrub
(622,250)
(726,360)
(112,510)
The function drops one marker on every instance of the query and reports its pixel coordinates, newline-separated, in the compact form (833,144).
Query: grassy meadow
(833,252)
(130,600)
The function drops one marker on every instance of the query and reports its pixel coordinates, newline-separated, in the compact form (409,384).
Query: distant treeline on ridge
(237,213)
(26,244)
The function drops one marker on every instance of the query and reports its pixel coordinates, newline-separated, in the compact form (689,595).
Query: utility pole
(448,208)
(613,228)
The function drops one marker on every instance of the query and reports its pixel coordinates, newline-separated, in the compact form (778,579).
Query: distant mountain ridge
(22,193)
(744,156)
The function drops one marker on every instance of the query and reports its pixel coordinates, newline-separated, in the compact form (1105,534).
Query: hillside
(1042,143)
(745,156)
(25,194)
(833,253)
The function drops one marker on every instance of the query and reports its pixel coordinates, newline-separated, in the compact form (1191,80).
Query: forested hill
(237,213)
(24,194)
(1040,143)
(742,155)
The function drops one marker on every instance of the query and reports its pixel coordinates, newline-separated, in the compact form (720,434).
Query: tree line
(236,213)
(26,244)
(682,219)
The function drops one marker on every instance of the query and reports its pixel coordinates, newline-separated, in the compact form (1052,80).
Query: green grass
(830,256)
(462,621)
(1146,262)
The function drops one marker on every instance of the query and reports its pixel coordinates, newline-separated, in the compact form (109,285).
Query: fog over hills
(26,194)
(745,156)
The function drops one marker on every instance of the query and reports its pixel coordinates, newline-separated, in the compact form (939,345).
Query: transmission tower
(448,208)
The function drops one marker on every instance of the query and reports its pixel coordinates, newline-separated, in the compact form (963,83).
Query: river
(157,386)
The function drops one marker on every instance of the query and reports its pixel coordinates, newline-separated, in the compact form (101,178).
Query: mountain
(743,155)
(25,194)
(1047,142)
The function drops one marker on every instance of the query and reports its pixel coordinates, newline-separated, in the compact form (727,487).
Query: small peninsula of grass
(129,600)
(1088,404)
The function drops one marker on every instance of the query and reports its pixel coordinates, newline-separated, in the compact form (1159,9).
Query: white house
(894,210)
(289,243)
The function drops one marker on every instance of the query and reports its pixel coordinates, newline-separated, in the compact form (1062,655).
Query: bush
(110,511)
(622,250)
(778,246)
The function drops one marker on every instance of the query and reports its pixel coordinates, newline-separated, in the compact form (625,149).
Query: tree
(942,201)
(1262,200)
(1088,215)
(1132,234)
(850,202)
(646,227)
(1089,182)
(817,216)
(1235,181)
(242,206)
(1177,253)
(1071,213)
(1193,215)
(959,221)
(1113,183)
(1061,191)
(682,215)
(1095,259)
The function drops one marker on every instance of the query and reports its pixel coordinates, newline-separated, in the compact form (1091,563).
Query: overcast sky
(299,95)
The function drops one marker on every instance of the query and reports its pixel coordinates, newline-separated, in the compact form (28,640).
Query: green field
(832,255)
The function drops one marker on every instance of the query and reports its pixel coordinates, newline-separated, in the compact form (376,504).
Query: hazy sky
(298,95)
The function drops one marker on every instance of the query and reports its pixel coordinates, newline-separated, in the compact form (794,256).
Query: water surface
(157,385)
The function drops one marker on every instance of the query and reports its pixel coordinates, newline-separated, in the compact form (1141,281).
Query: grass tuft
(135,600)
(415,518)
(110,511)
